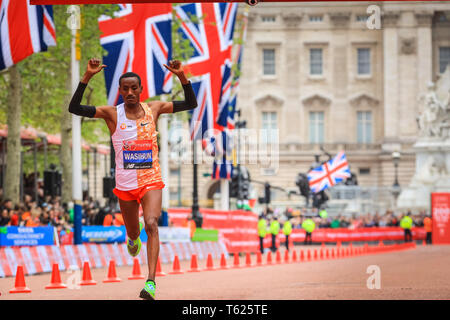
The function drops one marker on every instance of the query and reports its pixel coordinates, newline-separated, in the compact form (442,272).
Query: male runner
(132,125)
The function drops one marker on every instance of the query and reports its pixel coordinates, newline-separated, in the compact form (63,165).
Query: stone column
(339,67)
(391,76)
(291,80)
(424,50)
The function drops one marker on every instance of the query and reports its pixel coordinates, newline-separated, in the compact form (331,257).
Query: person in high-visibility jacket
(428,226)
(287,230)
(262,231)
(309,226)
(274,229)
(406,224)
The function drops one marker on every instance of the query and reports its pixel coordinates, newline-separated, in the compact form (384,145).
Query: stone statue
(434,119)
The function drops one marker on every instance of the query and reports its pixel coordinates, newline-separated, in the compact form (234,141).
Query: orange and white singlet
(136,148)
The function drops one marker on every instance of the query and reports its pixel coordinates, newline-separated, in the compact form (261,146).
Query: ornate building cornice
(389,19)
(340,19)
(363,99)
(269,99)
(292,20)
(316,99)
(424,18)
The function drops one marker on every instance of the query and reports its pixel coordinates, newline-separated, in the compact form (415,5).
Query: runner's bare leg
(151,205)
(130,214)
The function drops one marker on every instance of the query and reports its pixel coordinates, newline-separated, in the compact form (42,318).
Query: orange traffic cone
(55,282)
(321,254)
(87,277)
(278,257)
(332,254)
(236,261)
(159,272)
(339,252)
(315,254)
(194,266)
(294,256)
(323,245)
(302,255)
(308,255)
(327,254)
(176,266)
(136,274)
(20,286)
(223,262)
(424,243)
(209,263)
(269,258)
(248,260)
(259,258)
(286,256)
(112,276)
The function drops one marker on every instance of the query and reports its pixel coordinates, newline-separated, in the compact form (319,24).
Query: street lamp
(396,186)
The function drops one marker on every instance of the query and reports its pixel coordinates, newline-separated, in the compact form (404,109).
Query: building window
(364,171)
(269,61)
(364,134)
(316,18)
(361,18)
(316,127)
(444,58)
(269,123)
(268,19)
(363,61)
(315,61)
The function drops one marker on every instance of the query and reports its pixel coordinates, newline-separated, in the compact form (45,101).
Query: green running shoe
(148,293)
(131,244)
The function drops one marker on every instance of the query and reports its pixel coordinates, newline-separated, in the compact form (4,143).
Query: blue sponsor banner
(100,234)
(26,236)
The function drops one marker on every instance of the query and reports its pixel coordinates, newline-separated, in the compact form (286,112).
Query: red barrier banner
(440,209)
(360,234)
(238,230)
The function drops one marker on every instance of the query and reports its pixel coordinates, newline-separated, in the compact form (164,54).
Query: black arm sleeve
(76,108)
(189,97)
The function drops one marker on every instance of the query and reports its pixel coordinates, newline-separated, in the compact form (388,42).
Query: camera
(251,2)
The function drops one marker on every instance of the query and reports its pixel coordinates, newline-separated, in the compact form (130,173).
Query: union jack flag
(210,35)
(236,75)
(329,174)
(24,29)
(222,165)
(138,39)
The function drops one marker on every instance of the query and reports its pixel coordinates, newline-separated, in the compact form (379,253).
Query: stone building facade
(319,75)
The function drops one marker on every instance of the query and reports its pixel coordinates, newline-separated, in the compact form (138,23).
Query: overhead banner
(26,236)
(440,209)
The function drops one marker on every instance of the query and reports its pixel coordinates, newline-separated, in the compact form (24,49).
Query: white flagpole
(76,148)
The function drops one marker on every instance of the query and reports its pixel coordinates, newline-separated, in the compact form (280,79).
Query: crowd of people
(50,211)
(388,219)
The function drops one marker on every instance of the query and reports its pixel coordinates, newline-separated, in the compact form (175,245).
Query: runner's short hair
(130,75)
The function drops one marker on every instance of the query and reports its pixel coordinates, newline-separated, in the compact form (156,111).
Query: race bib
(137,154)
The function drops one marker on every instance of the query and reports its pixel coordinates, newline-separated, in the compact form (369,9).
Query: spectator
(335,222)
(4,218)
(15,216)
(34,220)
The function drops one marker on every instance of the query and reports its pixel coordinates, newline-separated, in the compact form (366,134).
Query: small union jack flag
(138,39)
(24,29)
(329,174)
(210,35)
